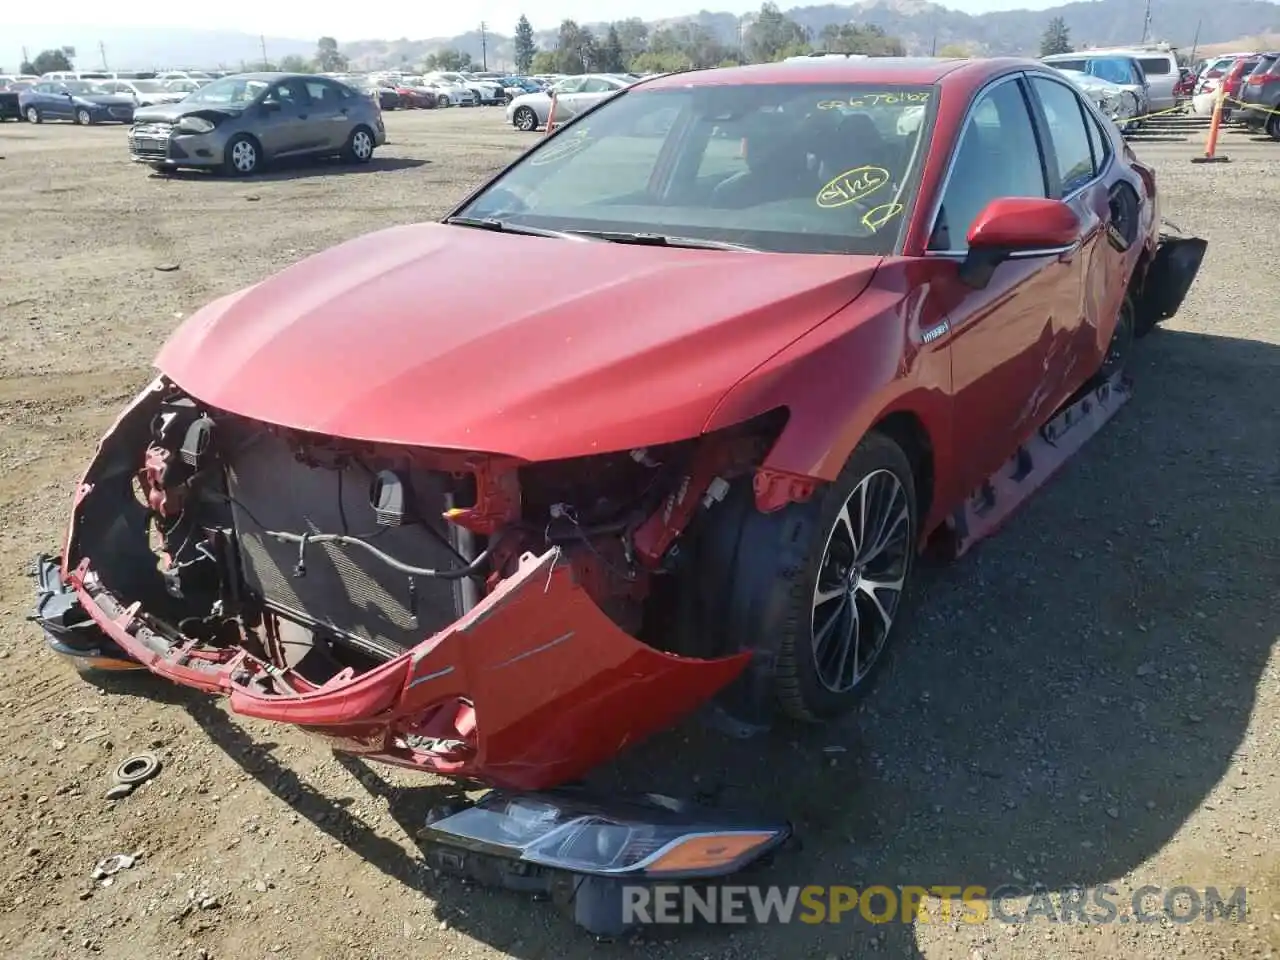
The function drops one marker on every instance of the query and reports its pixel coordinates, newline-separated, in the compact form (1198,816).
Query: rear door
(328,119)
(1264,80)
(1086,302)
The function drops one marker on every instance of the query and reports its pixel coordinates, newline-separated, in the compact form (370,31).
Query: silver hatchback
(238,123)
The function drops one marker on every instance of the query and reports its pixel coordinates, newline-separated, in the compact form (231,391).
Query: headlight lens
(581,839)
(195,125)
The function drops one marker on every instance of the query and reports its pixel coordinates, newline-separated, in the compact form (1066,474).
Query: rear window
(1267,65)
(1156,66)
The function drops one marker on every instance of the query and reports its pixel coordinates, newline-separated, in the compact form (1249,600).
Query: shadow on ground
(302,168)
(1060,702)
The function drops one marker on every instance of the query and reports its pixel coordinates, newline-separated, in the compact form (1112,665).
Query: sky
(347,22)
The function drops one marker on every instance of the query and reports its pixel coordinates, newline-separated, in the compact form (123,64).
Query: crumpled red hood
(442,336)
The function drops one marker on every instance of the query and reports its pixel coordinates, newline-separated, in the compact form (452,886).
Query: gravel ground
(1091,697)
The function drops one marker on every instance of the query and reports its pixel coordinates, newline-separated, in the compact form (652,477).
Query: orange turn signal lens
(708,851)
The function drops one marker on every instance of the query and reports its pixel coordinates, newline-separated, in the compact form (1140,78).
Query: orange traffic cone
(551,116)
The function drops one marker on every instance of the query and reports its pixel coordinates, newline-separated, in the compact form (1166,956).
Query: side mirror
(1017,227)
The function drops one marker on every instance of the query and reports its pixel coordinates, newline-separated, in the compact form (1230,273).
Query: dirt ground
(1091,697)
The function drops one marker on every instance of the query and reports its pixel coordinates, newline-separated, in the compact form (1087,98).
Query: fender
(866,362)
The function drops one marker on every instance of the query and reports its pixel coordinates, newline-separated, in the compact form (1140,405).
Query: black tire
(34,115)
(1120,348)
(83,117)
(242,156)
(801,691)
(1273,126)
(525,119)
(359,146)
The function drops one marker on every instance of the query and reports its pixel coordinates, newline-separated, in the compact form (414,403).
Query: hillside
(921,25)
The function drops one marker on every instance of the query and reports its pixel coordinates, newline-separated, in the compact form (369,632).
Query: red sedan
(764,334)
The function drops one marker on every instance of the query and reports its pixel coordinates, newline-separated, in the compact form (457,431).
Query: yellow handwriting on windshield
(885,99)
(851,186)
(564,146)
(877,217)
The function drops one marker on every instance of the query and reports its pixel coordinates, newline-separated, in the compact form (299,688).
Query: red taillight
(1265,78)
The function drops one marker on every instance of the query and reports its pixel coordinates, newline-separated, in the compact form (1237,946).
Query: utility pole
(1146,22)
(484,47)
(1195,42)
(262,42)
(25,58)
(102,50)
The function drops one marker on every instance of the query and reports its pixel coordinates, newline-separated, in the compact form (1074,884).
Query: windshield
(149,86)
(786,168)
(79,87)
(228,90)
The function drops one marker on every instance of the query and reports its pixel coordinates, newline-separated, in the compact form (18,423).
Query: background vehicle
(1115,102)
(76,100)
(485,91)
(145,93)
(1120,69)
(573,95)
(239,123)
(9,107)
(1261,96)
(184,86)
(1212,70)
(1160,70)
(450,94)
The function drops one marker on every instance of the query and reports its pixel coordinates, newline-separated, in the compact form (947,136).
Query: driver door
(59,103)
(1005,338)
(284,112)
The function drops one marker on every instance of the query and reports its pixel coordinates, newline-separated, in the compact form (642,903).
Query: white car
(146,93)
(485,91)
(572,94)
(1112,100)
(451,94)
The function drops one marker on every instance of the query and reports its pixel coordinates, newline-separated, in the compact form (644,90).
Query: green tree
(448,59)
(1056,38)
(852,38)
(692,40)
(774,36)
(295,64)
(576,49)
(669,62)
(328,59)
(48,60)
(525,48)
(633,33)
(610,59)
(960,50)
(544,61)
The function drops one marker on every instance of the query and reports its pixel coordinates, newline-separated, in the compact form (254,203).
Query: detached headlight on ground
(654,839)
(194,125)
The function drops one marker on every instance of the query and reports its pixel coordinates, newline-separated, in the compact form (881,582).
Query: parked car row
(572,95)
(1250,81)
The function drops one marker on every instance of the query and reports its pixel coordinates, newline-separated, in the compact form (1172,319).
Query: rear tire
(1273,126)
(359,147)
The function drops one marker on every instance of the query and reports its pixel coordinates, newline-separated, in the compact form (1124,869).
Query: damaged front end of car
(463,614)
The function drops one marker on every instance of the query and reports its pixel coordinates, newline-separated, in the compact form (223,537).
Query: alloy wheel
(860,581)
(244,157)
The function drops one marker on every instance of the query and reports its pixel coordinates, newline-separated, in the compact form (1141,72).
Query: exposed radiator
(345,589)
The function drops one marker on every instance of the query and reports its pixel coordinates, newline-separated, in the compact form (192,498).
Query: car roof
(890,70)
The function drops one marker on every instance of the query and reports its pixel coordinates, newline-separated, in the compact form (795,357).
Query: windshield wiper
(663,240)
(505,226)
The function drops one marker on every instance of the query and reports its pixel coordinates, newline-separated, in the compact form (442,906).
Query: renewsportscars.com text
(936,904)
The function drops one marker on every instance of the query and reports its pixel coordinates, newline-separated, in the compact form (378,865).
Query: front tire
(1273,126)
(525,119)
(841,609)
(84,117)
(243,156)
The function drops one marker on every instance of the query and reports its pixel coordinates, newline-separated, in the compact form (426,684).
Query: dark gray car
(238,123)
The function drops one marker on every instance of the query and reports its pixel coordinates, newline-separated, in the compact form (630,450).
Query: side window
(572,85)
(1156,66)
(1099,141)
(1070,139)
(596,85)
(998,156)
(319,91)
